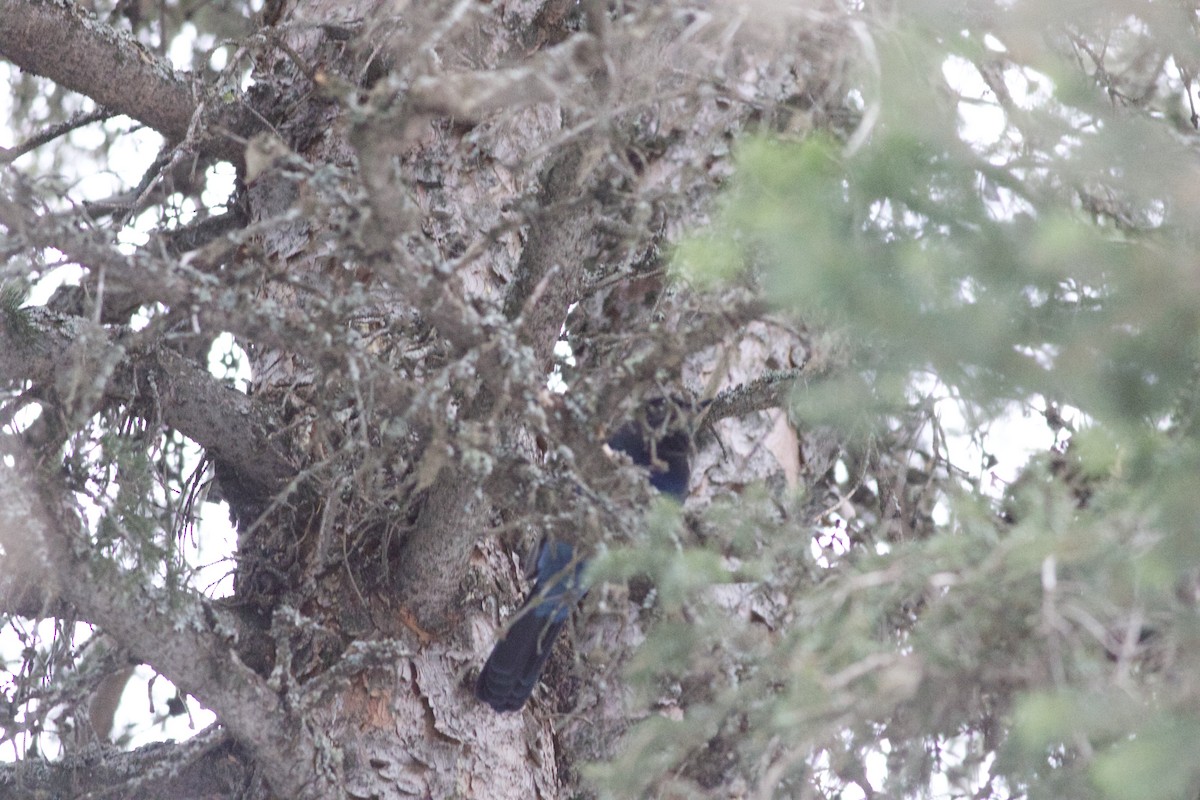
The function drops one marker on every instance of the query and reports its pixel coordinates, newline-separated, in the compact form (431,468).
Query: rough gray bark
(64,42)
(439,187)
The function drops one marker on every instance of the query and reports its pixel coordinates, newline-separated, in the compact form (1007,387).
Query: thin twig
(11,154)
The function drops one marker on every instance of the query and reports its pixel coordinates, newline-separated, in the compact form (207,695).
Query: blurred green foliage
(1042,641)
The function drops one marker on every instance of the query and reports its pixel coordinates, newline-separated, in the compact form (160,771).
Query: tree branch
(24,593)
(549,278)
(64,43)
(150,275)
(469,97)
(80,120)
(63,353)
(209,764)
(179,633)
(769,391)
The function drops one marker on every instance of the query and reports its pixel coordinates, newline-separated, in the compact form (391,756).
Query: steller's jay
(513,668)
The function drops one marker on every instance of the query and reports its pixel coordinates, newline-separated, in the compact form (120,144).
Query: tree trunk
(428,197)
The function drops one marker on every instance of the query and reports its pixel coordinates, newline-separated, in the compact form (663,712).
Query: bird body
(667,457)
(515,664)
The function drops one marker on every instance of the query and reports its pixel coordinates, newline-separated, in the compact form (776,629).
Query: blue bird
(513,668)
(666,456)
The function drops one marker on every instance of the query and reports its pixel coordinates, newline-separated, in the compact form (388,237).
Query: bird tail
(512,670)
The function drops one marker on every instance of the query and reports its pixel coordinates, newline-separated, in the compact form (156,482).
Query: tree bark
(429,199)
